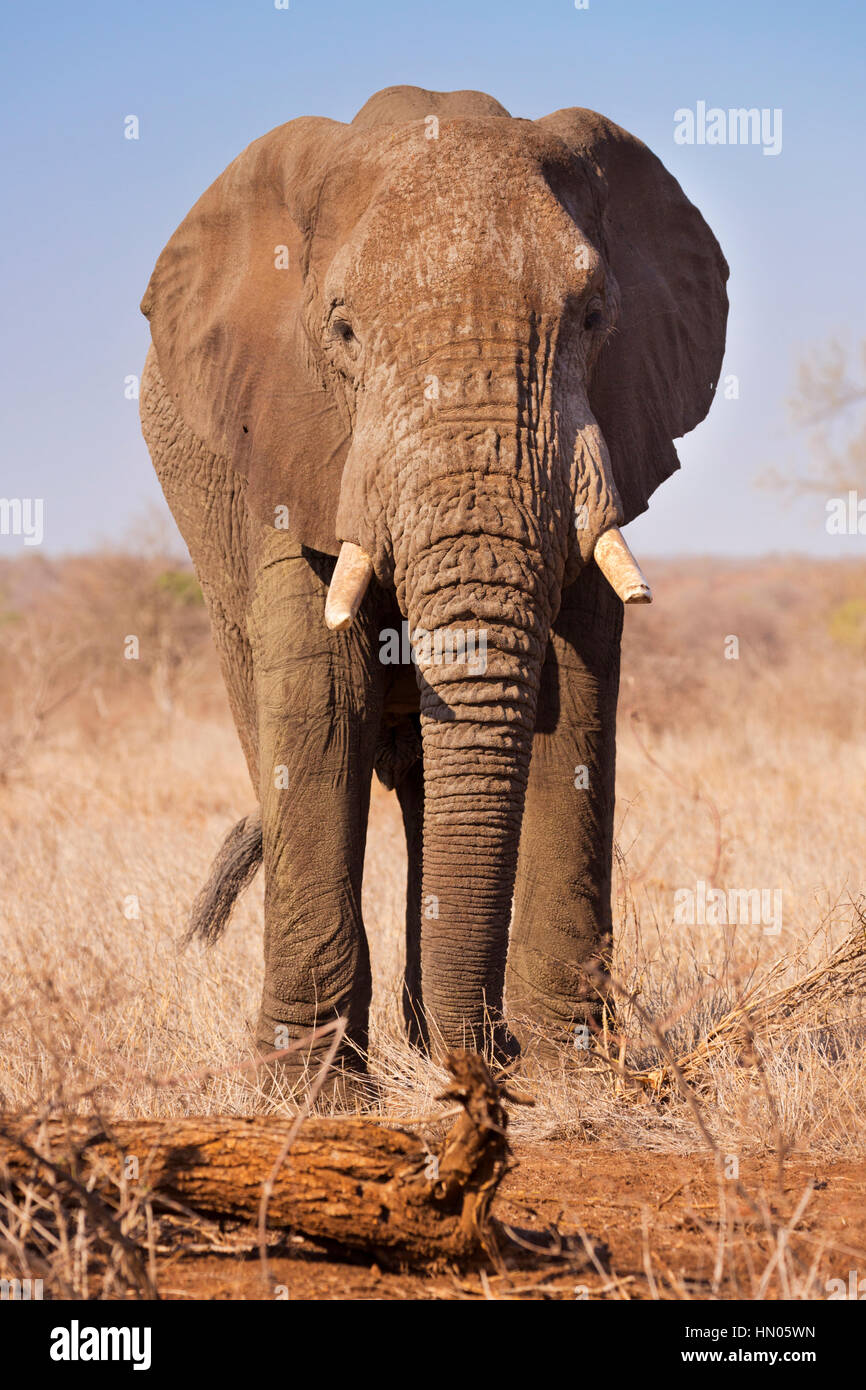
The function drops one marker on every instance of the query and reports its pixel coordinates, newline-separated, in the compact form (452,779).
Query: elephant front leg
(562,903)
(318,698)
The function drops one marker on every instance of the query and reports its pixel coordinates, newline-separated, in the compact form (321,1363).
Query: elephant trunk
(479,611)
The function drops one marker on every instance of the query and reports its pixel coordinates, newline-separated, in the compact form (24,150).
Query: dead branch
(353,1182)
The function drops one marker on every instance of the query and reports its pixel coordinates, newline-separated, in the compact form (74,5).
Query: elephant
(411,373)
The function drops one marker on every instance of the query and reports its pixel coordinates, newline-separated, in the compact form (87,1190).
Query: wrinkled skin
(473,364)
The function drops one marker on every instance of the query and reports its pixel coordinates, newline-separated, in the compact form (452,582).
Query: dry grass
(118,779)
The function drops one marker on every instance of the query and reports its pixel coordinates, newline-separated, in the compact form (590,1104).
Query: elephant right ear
(230,305)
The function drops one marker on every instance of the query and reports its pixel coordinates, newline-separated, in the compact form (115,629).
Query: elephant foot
(540,1052)
(553,1026)
(546,1038)
(341,1088)
(292,1079)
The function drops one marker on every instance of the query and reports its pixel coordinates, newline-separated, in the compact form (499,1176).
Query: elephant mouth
(354,570)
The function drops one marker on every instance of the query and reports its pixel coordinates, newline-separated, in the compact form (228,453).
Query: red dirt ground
(658,1214)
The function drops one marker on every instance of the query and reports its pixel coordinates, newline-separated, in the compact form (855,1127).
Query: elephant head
(463,344)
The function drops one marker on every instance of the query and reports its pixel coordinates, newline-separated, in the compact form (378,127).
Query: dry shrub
(745,773)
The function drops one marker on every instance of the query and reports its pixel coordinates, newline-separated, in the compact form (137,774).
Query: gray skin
(471,361)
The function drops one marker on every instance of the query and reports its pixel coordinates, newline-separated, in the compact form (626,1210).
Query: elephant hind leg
(410,794)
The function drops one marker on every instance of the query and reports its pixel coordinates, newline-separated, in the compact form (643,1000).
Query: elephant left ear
(656,375)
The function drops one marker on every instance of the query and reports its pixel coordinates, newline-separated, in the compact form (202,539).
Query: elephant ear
(230,304)
(656,374)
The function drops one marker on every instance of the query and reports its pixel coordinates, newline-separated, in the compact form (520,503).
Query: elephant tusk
(349,583)
(620,568)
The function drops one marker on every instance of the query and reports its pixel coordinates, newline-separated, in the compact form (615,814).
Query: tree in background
(830,402)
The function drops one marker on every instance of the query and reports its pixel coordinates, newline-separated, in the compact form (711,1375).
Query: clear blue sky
(87,211)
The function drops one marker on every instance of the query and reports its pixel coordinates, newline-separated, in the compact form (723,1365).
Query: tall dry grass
(119,777)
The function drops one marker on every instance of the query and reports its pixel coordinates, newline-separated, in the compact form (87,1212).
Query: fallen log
(353,1182)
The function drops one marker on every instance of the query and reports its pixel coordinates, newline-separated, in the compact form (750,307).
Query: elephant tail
(233,870)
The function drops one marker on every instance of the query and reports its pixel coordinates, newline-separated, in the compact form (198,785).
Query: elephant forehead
(467,209)
(468,250)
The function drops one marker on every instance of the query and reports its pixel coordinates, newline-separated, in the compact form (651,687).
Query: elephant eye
(593,319)
(344,331)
